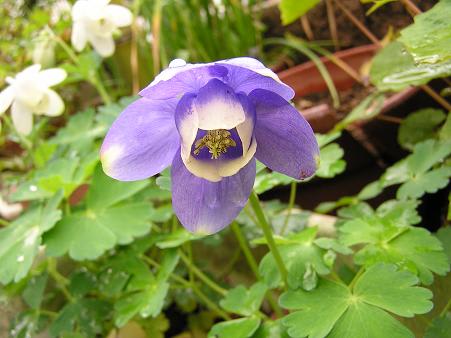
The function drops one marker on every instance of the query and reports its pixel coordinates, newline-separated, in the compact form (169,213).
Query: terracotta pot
(305,79)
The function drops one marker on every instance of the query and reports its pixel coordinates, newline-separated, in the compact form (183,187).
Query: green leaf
(428,38)
(393,68)
(385,287)
(414,172)
(444,235)
(33,293)
(244,302)
(413,248)
(297,251)
(265,181)
(420,126)
(331,162)
(318,310)
(440,328)
(293,9)
(81,282)
(365,110)
(148,300)
(237,328)
(19,242)
(85,315)
(335,310)
(363,320)
(175,238)
(87,234)
(270,329)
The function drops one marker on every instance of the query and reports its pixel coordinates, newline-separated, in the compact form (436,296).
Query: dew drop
(20,258)
(33,188)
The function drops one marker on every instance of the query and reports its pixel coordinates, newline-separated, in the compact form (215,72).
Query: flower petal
(188,123)
(54,105)
(6,98)
(142,141)
(104,45)
(207,207)
(78,37)
(242,77)
(119,15)
(22,117)
(286,142)
(52,76)
(218,107)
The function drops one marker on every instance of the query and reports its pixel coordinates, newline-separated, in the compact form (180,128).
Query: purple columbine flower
(210,121)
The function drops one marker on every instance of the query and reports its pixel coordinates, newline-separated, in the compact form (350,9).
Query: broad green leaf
(244,302)
(265,181)
(429,182)
(270,329)
(85,315)
(331,162)
(445,131)
(395,291)
(318,310)
(297,251)
(81,282)
(428,38)
(363,320)
(19,241)
(401,213)
(237,328)
(440,327)
(325,139)
(444,235)
(175,238)
(293,9)
(420,126)
(147,300)
(33,293)
(87,234)
(413,248)
(393,68)
(332,309)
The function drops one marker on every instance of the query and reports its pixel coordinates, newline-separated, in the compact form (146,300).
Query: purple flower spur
(211,121)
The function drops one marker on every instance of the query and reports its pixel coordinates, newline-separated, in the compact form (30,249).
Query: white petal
(103,45)
(78,37)
(52,76)
(30,71)
(22,118)
(218,107)
(231,167)
(54,104)
(119,15)
(6,98)
(80,10)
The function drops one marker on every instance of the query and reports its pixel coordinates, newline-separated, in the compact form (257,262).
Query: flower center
(217,141)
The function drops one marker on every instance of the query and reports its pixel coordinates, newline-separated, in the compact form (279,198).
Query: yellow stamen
(217,141)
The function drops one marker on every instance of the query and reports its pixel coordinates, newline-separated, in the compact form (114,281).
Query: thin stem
(445,104)
(60,280)
(263,223)
(357,23)
(95,79)
(4,222)
(291,201)
(306,27)
(356,278)
(134,64)
(245,248)
(192,286)
(199,274)
(446,308)
(411,7)
(23,140)
(332,23)
(156,32)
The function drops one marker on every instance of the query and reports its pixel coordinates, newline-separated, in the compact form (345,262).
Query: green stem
(356,278)
(4,222)
(446,308)
(95,80)
(245,248)
(193,286)
(291,201)
(199,274)
(263,223)
(60,280)
(23,140)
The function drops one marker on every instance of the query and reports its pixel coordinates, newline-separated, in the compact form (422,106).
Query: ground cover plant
(163,173)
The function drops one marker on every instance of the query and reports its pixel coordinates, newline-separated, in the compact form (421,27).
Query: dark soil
(349,99)
(392,15)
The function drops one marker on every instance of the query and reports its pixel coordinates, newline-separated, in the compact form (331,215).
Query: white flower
(29,93)
(95,21)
